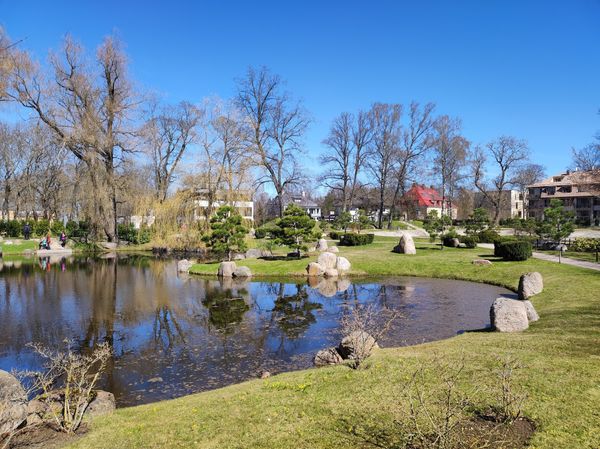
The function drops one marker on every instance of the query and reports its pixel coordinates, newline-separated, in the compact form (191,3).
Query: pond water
(178,334)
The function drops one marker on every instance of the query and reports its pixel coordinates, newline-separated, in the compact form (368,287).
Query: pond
(178,334)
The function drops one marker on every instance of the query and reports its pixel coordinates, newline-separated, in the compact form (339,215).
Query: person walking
(26,231)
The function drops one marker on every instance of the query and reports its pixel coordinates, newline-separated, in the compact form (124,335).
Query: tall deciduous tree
(506,154)
(88,108)
(450,156)
(339,158)
(277,127)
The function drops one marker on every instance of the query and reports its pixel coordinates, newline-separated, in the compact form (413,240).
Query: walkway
(552,258)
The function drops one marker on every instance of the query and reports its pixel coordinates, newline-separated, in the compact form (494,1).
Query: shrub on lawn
(470,241)
(585,245)
(335,235)
(513,250)
(488,236)
(356,239)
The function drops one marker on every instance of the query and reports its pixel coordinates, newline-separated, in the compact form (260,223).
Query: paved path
(552,258)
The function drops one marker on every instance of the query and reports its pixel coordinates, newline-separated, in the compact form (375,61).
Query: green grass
(587,257)
(311,408)
(18,247)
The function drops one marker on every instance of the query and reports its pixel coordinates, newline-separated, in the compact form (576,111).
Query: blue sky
(525,68)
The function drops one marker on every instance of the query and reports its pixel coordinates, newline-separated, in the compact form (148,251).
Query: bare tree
(12,146)
(525,176)
(416,143)
(384,148)
(450,156)
(277,127)
(339,157)
(507,155)
(168,134)
(588,157)
(362,134)
(88,110)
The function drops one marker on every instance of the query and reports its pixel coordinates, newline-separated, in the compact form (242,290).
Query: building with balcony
(578,190)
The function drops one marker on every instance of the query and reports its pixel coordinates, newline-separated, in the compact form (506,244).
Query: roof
(303,201)
(424,196)
(570,178)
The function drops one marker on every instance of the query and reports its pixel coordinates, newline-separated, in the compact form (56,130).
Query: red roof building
(421,200)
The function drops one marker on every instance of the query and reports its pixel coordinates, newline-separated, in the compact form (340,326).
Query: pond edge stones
(13,403)
(328,265)
(183,266)
(530,284)
(508,315)
(230,269)
(360,341)
(406,245)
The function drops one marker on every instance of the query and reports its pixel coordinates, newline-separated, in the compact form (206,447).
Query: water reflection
(174,335)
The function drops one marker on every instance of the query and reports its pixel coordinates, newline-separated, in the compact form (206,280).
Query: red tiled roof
(424,196)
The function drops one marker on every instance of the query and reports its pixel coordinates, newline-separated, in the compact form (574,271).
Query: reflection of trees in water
(166,329)
(226,307)
(294,313)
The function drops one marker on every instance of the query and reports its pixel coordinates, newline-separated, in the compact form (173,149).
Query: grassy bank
(18,246)
(317,408)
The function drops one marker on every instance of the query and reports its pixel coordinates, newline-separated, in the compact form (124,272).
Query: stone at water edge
(102,404)
(315,269)
(328,356)
(481,262)
(331,273)
(406,245)
(508,315)
(327,260)
(242,272)
(343,264)
(184,265)
(357,341)
(265,375)
(226,269)
(532,314)
(530,284)
(13,403)
(321,245)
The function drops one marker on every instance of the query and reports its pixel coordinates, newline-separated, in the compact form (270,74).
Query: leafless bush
(66,385)
(363,328)
(510,406)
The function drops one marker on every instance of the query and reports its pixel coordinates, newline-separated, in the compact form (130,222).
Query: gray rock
(326,357)
(481,262)
(508,315)
(13,403)
(532,314)
(358,344)
(327,260)
(242,272)
(406,245)
(239,256)
(333,249)
(331,273)
(321,245)
(342,265)
(183,266)
(454,243)
(315,269)
(530,284)
(226,269)
(265,375)
(37,412)
(255,253)
(103,404)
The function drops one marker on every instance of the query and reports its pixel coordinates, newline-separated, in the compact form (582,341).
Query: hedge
(470,241)
(513,250)
(585,245)
(356,239)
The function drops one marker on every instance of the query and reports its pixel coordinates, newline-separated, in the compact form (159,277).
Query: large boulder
(321,245)
(530,284)
(342,265)
(315,269)
(509,315)
(13,403)
(454,243)
(103,404)
(406,245)
(333,249)
(328,356)
(357,344)
(327,260)
(331,273)
(532,314)
(255,253)
(226,269)
(183,266)
(242,272)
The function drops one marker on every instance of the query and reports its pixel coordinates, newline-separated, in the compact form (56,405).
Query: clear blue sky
(525,68)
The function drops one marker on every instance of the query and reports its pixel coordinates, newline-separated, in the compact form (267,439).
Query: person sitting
(63,239)
(43,243)
(48,241)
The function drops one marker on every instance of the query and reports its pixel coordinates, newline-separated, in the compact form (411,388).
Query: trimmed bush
(513,250)
(488,236)
(260,233)
(335,235)
(356,239)
(470,241)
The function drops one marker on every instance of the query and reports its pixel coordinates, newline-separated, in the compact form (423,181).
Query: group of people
(46,242)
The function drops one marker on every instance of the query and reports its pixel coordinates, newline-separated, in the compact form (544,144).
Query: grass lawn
(587,257)
(18,247)
(316,408)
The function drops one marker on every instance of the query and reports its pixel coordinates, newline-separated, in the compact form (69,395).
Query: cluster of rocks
(406,245)
(184,265)
(354,345)
(230,269)
(16,411)
(328,265)
(514,315)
